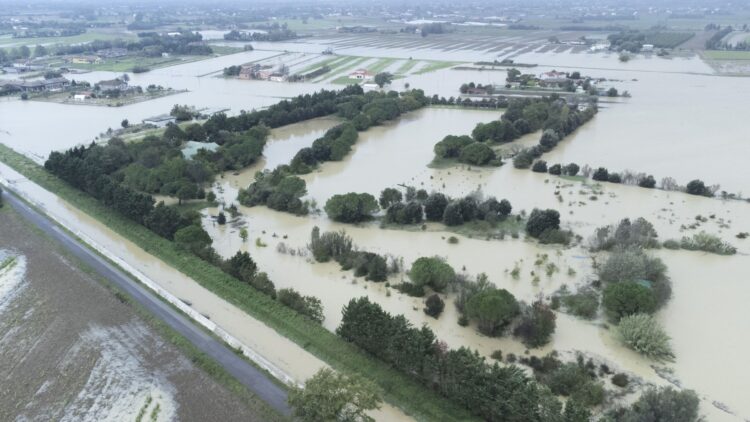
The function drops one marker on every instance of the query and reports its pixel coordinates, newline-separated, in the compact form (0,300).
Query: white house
(360,74)
(647,47)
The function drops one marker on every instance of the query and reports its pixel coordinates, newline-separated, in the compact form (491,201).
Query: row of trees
(492,392)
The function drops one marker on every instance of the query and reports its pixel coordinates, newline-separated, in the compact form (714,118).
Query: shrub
(708,243)
(671,244)
(497,355)
(306,305)
(434,305)
(477,153)
(264,284)
(493,309)
(537,325)
(614,178)
(540,166)
(329,245)
(351,207)
(697,187)
(433,272)
(555,170)
(572,169)
(573,380)
(411,289)
(639,233)
(662,404)
(642,333)
(632,264)
(434,206)
(628,298)
(453,240)
(584,303)
(647,182)
(555,236)
(453,214)
(541,220)
(601,174)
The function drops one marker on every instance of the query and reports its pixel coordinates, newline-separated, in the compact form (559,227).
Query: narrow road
(255,380)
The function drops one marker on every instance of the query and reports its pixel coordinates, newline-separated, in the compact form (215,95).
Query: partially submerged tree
(331,396)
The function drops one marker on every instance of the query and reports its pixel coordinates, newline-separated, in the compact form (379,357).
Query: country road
(255,380)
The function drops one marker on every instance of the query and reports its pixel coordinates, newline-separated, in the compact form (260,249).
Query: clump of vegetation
(660,404)
(434,305)
(536,325)
(697,187)
(333,396)
(493,309)
(351,207)
(628,298)
(575,380)
(544,225)
(707,243)
(278,189)
(309,306)
(634,265)
(339,247)
(642,333)
(639,233)
(620,380)
(432,272)
(584,303)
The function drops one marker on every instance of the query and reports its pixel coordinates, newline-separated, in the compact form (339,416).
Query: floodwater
(680,122)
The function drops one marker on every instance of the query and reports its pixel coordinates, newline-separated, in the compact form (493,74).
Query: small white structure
(360,74)
(647,48)
(161,120)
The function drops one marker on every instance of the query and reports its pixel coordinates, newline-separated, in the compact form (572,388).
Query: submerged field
(71,349)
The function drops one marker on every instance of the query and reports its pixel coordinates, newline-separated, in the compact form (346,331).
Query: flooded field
(70,350)
(680,118)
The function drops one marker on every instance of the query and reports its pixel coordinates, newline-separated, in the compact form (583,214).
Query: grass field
(398,389)
(726,55)
(434,66)
(10,42)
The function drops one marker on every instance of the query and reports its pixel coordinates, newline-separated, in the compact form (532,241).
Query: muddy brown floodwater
(399,153)
(70,350)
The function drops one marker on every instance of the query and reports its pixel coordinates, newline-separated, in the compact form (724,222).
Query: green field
(726,55)
(399,389)
(10,42)
(434,66)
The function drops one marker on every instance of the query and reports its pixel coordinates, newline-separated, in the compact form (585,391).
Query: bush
(647,182)
(555,236)
(601,174)
(697,187)
(411,289)
(433,272)
(329,245)
(640,233)
(478,154)
(540,166)
(573,380)
(662,404)
(614,178)
(642,333)
(389,196)
(707,243)
(493,309)
(434,206)
(671,244)
(434,306)
(572,169)
(451,146)
(584,304)
(537,325)
(555,170)
(306,305)
(351,207)
(633,264)
(541,220)
(453,215)
(628,298)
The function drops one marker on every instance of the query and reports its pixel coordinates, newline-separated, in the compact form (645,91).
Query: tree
(541,220)
(453,216)
(125,123)
(434,206)
(662,404)
(612,92)
(540,166)
(433,272)
(451,146)
(537,325)
(549,140)
(572,169)
(351,207)
(241,266)
(697,187)
(493,309)
(164,220)
(642,333)
(601,174)
(383,78)
(221,218)
(555,169)
(192,238)
(628,298)
(389,196)
(434,305)
(477,153)
(331,396)
(647,182)
(243,234)
(24,52)
(309,306)
(40,51)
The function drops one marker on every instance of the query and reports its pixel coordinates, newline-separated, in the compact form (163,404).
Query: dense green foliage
(633,264)
(434,305)
(351,207)
(639,233)
(309,306)
(339,247)
(584,303)
(278,189)
(537,324)
(642,333)
(662,404)
(697,187)
(707,243)
(541,221)
(332,396)
(628,298)
(492,392)
(432,272)
(493,309)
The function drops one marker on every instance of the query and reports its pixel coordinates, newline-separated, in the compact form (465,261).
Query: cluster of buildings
(42,85)
(264,73)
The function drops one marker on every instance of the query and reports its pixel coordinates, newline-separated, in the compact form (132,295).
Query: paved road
(255,380)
